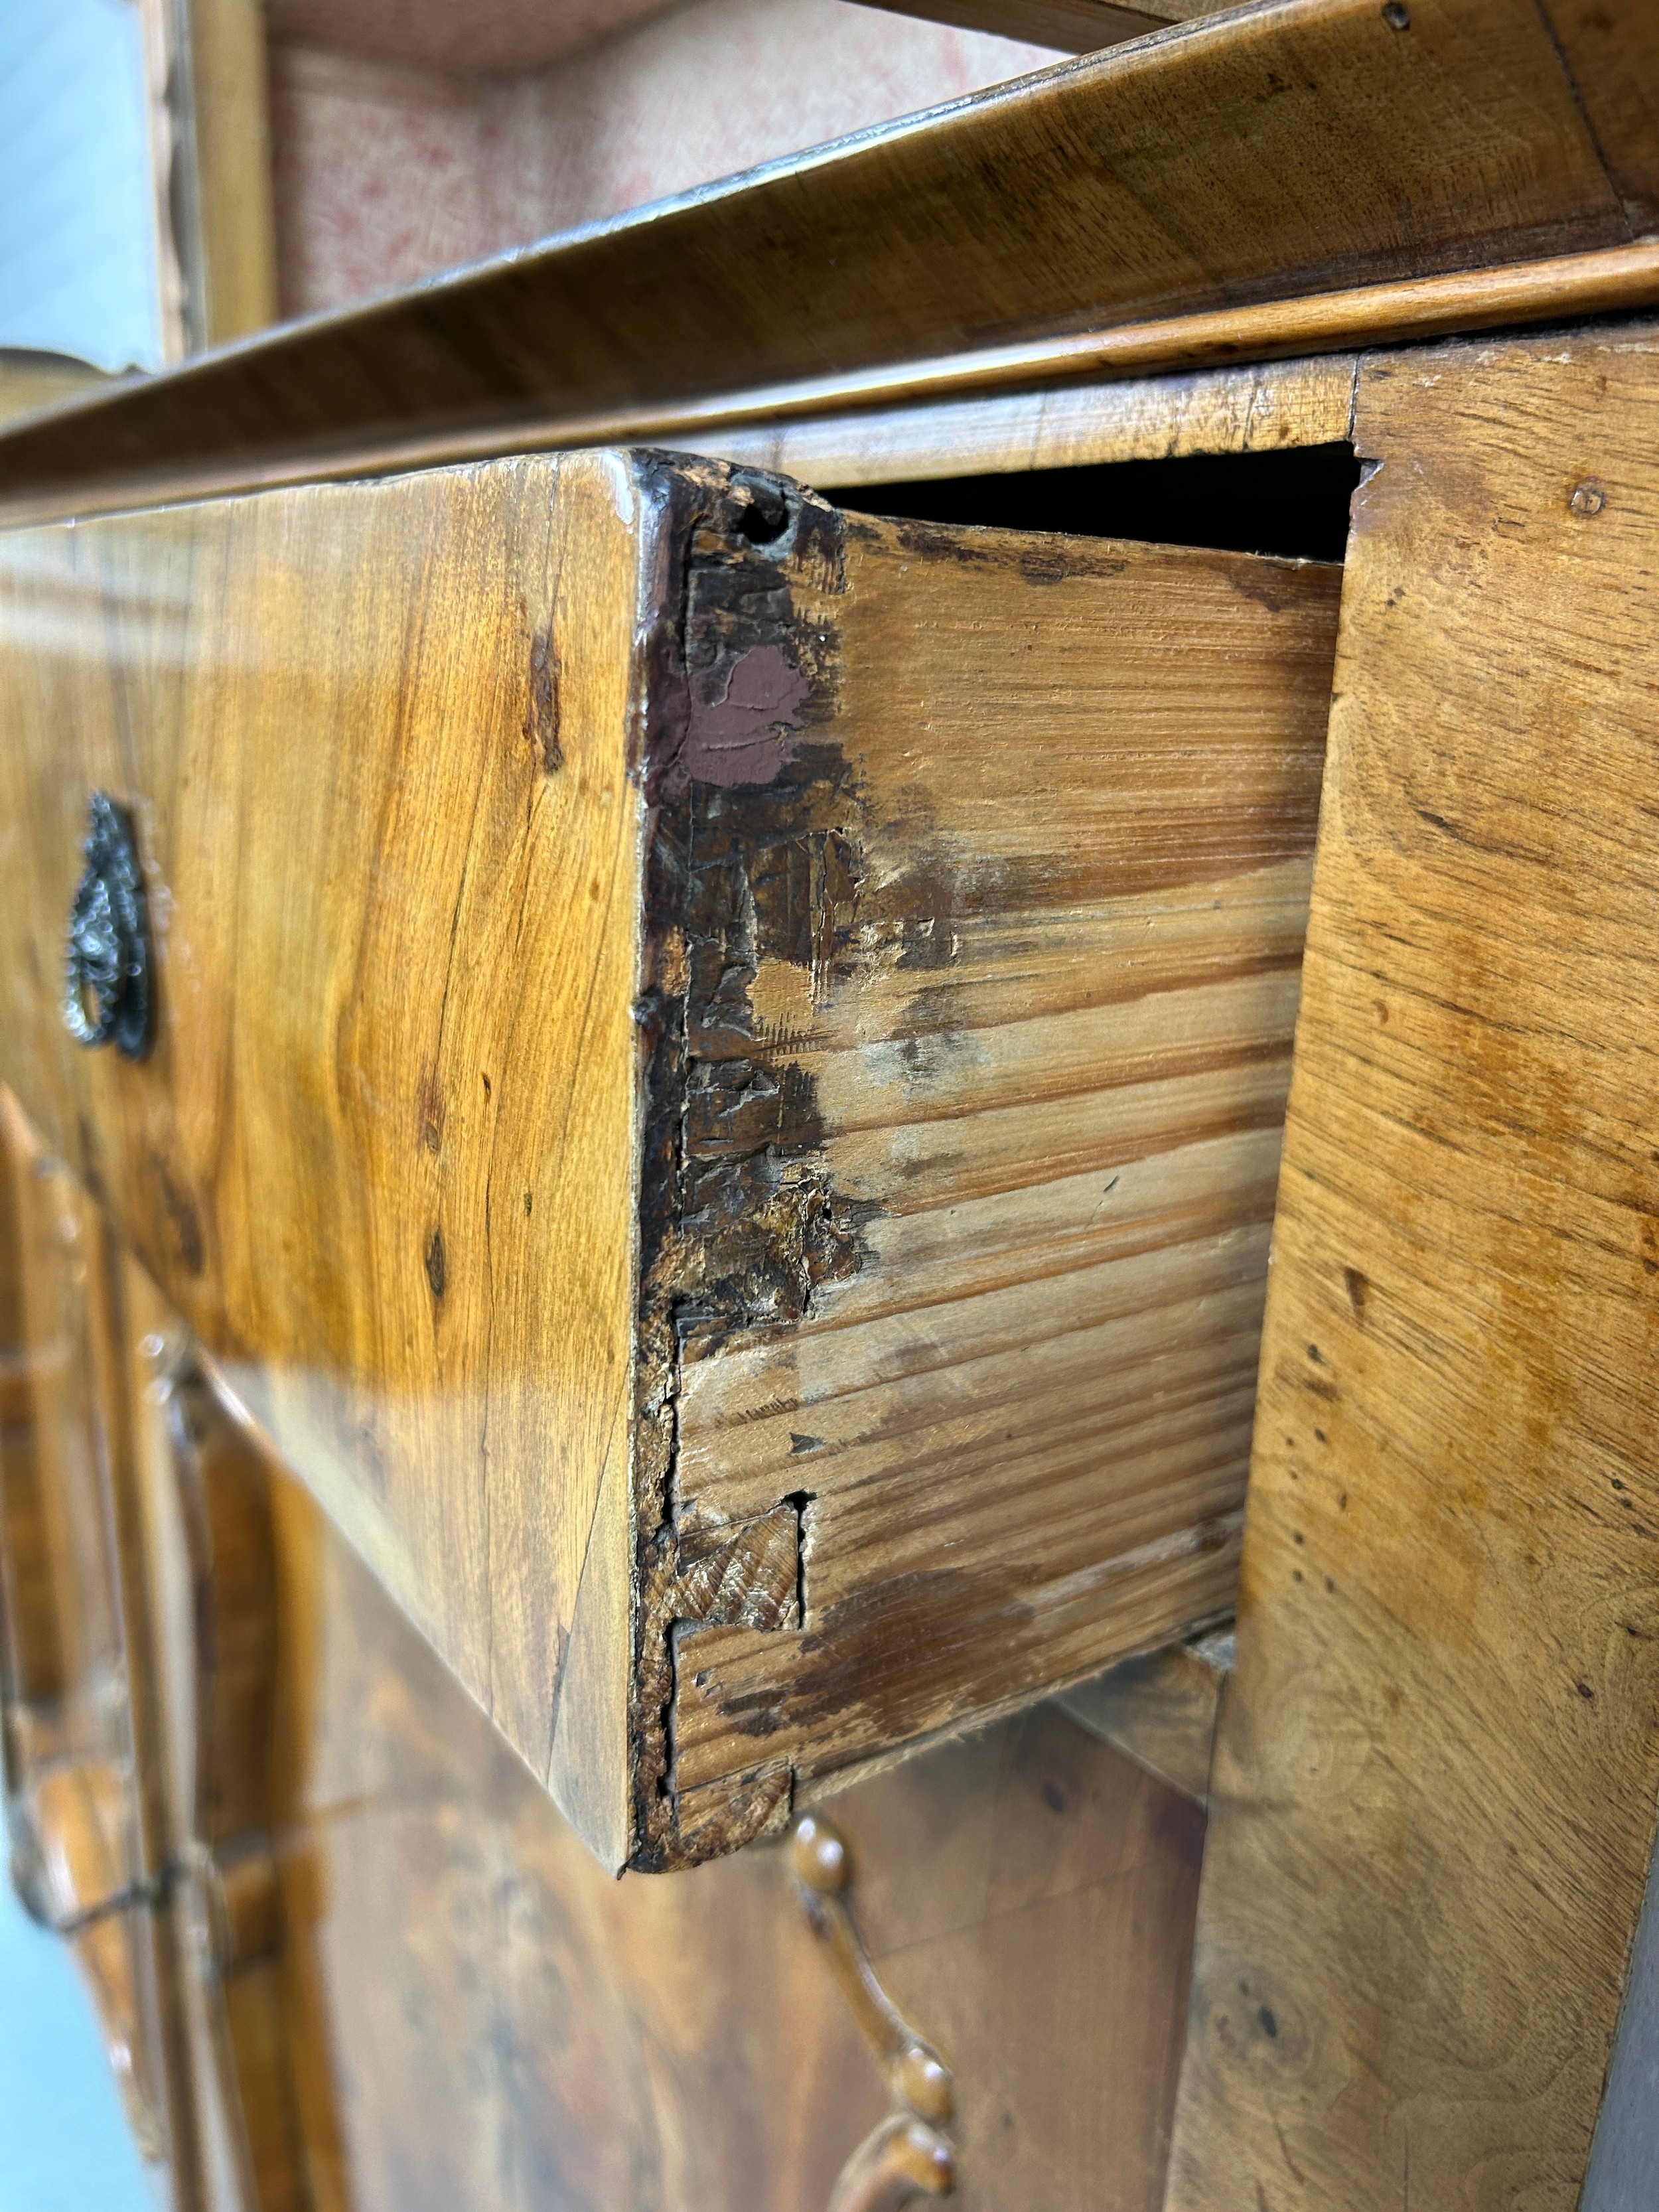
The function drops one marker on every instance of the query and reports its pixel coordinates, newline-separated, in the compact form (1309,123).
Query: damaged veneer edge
(736,1227)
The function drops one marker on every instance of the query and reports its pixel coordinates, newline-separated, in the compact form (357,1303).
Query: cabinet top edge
(1154,206)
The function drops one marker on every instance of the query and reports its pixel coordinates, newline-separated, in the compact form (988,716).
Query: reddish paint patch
(742,737)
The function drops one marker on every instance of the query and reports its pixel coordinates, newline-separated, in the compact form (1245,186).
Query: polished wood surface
(1433,1799)
(400,1980)
(75,1852)
(1272,155)
(902,398)
(946,1102)
(209,1559)
(376,1188)
(535,2034)
(719,1098)
(86,1777)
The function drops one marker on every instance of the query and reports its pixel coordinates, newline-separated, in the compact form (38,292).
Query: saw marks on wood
(1049,1061)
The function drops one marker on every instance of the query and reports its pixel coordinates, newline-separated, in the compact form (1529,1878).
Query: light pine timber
(1047,1056)
(700,1073)
(1261,408)
(1434,1788)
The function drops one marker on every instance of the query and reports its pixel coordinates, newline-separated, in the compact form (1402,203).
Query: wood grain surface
(1432,1801)
(415,1987)
(1160,1708)
(138,1662)
(1033,1052)
(1221,410)
(87,1777)
(397,906)
(1267,155)
(711,1054)
(1566,288)
(482,2017)
(1611,54)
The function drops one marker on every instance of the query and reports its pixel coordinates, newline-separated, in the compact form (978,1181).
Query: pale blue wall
(77,276)
(64,2146)
(77,234)
(1624,2167)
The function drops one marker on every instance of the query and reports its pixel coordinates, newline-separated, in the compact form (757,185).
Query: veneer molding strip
(1567,288)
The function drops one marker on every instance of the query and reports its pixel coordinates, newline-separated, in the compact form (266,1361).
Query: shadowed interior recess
(1293,502)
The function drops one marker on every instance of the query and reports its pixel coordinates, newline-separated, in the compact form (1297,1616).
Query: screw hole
(764,516)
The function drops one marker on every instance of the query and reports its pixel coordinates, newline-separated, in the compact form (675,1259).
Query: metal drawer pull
(108,993)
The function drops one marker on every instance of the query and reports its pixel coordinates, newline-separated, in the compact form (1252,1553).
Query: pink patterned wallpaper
(473,37)
(387,173)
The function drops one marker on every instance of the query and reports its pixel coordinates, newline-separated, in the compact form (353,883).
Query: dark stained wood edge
(736,1224)
(1049,214)
(1069,27)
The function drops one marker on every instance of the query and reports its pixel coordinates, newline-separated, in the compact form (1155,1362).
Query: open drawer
(709,1071)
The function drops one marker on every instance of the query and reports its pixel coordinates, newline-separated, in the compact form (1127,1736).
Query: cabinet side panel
(1432,1801)
(373,743)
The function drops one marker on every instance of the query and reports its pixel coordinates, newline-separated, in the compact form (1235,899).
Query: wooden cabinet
(716,1072)
(347,1953)
(685,1233)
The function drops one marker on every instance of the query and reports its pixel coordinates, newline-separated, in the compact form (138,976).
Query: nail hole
(765,514)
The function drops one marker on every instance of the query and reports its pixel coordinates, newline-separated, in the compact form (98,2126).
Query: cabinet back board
(718,1074)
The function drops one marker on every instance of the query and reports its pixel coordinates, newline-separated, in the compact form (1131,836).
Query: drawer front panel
(393,909)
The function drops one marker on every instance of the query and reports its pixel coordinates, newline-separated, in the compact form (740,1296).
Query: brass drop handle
(109,993)
(907,2154)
